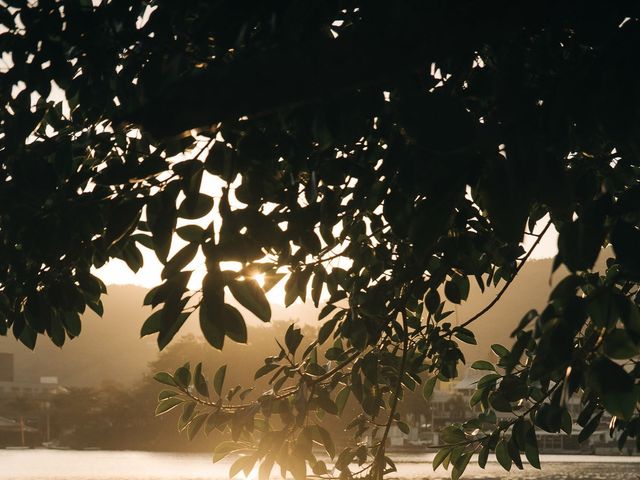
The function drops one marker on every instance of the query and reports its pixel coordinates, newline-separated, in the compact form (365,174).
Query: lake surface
(106,465)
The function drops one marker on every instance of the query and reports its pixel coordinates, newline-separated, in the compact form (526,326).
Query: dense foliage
(386,153)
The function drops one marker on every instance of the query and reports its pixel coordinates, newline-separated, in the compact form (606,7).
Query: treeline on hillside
(99,354)
(115,416)
(118,417)
(119,414)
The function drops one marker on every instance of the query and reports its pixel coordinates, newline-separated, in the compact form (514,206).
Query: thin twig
(337,368)
(510,281)
(394,401)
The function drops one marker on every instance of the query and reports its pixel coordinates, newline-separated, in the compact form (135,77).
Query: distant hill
(110,349)
(529,290)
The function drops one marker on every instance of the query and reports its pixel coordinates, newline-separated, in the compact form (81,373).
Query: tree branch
(510,281)
(379,458)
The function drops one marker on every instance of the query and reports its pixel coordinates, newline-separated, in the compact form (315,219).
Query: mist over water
(129,465)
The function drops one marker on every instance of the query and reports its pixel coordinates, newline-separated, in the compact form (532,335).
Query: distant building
(49,380)
(6,367)
(9,388)
(449,405)
(28,389)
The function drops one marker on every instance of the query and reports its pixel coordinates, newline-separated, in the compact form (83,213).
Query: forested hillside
(110,348)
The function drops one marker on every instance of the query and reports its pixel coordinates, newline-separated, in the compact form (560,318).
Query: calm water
(104,465)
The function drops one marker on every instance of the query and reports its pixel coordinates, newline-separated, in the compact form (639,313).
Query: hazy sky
(117,272)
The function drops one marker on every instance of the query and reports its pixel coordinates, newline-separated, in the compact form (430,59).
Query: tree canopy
(385,153)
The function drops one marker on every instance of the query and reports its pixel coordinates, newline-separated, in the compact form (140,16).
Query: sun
(276,291)
(259,278)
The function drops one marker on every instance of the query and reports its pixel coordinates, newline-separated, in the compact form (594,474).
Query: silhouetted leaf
(218,379)
(249,294)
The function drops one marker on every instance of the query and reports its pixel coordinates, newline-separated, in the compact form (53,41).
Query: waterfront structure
(450,404)
(24,406)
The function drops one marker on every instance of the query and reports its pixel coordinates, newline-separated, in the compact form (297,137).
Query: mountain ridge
(110,348)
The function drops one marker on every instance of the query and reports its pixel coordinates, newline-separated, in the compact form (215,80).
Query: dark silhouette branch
(510,281)
(372,53)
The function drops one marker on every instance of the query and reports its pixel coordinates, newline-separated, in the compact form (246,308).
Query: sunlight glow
(253,475)
(259,278)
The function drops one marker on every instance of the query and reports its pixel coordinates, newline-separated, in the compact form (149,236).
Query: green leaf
(180,260)
(499,402)
(225,448)
(488,380)
(249,294)
(341,399)
(460,465)
(319,278)
(165,378)
(292,339)
(513,388)
(327,328)
(96,306)
(328,405)
(233,324)
(514,452)
(187,415)
(404,428)
(483,456)
(566,423)
(122,221)
(465,335)
(242,464)
(211,325)
(500,350)
(590,427)
(218,379)
(369,366)
(327,441)
(199,381)
(483,365)
(153,324)
(297,467)
(319,468)
(195,425)
(429,385)
(476,397)
(549,417)
(271,280)
(502,196)
(531,448)
(161,216)
(618,345)
(432,301)
(191,210)
(263,370)
(614,386)
(182,377)
(580,242)
(291,288)
(164,394)
(172,320)
(502,455)
(452,292)
(191,233)
(462,281)
(168,404)
(452,434)
(72,323)
(625,239)
(326,310)
(27,335)
(440,457)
